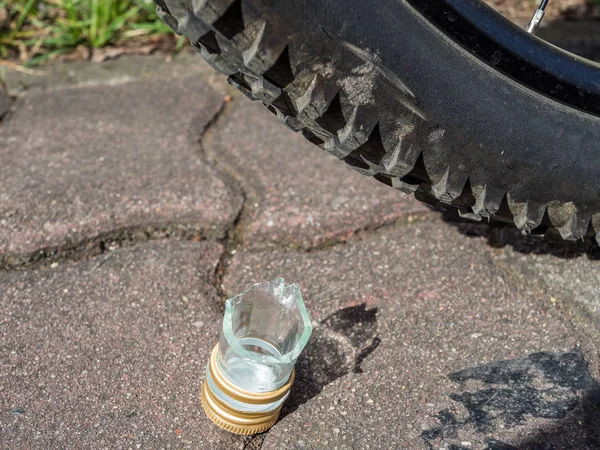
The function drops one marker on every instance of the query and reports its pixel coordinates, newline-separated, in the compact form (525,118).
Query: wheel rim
(544,68)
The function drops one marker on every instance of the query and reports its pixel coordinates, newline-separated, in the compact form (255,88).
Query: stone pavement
(137,196)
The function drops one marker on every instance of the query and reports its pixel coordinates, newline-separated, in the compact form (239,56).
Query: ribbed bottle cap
(231,419)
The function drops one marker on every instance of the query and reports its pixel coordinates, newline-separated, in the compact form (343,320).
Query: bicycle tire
(388,90)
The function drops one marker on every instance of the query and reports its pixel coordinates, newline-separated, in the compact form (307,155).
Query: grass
(33,31)
(36,30)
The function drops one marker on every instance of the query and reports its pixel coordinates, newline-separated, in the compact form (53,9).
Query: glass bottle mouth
(259,346)
(264,330)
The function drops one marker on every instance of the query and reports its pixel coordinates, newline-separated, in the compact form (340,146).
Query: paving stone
(81,162)
(568,273)
(422,342)
(110,352)
(157,66)
(424,338)
(297,193)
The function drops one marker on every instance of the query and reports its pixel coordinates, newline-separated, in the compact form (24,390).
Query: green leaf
(93,33)
(39,59)
(112,29)
(23,15)
(53,25)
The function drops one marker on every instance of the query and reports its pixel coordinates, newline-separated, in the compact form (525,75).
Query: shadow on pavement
(500,237)
(580,431)
(512,395)
(339,344)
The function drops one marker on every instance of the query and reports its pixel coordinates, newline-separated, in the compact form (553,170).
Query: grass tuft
(33,31)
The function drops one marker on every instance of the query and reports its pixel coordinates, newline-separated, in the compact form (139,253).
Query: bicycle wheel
(446,100)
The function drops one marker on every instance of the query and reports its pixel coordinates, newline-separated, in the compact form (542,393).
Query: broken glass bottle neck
(264,330)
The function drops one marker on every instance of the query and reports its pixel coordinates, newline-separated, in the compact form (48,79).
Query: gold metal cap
(234,420)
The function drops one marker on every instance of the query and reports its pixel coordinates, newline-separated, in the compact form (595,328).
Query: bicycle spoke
(538,15)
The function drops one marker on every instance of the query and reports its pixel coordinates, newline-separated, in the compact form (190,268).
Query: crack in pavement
(501,242)
(229,235)
(232,233)
(236,181)
(125,236)
(102,243)
(254,442)
(360,233)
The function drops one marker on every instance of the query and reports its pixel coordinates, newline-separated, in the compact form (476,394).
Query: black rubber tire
(379,86)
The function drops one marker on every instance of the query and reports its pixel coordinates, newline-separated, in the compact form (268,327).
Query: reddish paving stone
(110,352)
(81,162)
(416,304)
(299,194)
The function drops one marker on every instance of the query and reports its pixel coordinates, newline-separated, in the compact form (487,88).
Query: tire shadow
(500,237)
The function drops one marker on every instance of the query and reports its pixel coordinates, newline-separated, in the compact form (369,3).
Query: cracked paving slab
(110,352)
(77,163)
(421,342)
(297,193)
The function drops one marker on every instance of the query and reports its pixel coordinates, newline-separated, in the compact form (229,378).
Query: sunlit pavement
(138,195)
